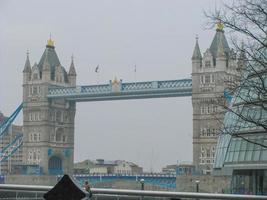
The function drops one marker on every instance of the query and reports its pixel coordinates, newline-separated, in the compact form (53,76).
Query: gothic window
(34,90)
(35,137)
(35,76)
(59,134)
(202,109)
(207,63)
(58,116)
(39,137)
(208,132)
(52,137)
(64,138)
(207,78)
(202,79)
(30,156)
(212,78)
(31,138)
(208,109)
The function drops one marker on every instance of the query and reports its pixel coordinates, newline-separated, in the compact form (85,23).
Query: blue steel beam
(119,91)
(4,126)
(11,148)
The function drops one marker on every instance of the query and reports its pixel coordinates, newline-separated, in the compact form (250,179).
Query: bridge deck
(119,90)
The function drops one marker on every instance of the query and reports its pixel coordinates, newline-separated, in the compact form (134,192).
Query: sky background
(158,36)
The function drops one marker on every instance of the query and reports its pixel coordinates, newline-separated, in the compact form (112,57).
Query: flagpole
(135,74)
(97,78)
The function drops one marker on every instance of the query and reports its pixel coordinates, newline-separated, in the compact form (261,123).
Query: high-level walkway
(117,90)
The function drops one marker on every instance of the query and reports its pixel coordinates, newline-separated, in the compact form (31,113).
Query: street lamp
(142,181)
(197,185)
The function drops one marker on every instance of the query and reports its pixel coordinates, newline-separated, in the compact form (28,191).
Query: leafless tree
(246,20)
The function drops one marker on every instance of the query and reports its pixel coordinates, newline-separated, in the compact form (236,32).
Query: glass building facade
(241,146)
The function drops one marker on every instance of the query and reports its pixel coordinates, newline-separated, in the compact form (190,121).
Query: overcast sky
(158,36)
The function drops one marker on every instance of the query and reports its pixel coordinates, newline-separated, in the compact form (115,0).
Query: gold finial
(220,25)
(50,42)
(115,81)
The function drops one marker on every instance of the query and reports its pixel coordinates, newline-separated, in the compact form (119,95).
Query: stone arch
(55,165)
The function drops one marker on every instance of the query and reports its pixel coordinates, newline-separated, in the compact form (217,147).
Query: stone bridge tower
(211,75)
(48,141)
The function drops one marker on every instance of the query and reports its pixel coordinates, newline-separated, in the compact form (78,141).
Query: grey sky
(157,36)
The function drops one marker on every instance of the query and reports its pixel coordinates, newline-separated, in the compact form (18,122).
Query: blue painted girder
(4,126)
(119,91)
(11,148)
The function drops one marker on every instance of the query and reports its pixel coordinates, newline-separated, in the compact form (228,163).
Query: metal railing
(10,192)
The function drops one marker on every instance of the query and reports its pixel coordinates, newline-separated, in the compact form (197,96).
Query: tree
(246,20)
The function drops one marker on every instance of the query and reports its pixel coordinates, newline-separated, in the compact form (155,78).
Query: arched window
(55,165)
(58,116)
(35,76)
(59,134)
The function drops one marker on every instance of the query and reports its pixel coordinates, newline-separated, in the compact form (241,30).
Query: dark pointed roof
(196,53)
(49,56)
(27,66)
(50,60)
(219,44)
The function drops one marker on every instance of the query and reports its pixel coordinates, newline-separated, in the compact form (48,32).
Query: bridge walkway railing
(32,192)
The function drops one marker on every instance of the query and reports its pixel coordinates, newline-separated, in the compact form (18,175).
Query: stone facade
(207,183)
(212,74)
(48,140)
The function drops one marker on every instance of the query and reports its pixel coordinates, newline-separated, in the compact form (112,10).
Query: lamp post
(197,186)
(142,181)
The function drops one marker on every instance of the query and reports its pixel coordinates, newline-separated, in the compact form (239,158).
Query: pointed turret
(27,70)
(196,58)
(72,73)
(197,54)
(27,67)
(72,70)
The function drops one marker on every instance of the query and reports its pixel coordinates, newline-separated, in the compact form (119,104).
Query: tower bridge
(50,94)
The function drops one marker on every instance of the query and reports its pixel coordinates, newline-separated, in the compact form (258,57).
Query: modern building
(212,73)
(242,145)
(7,166)
(48,125)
